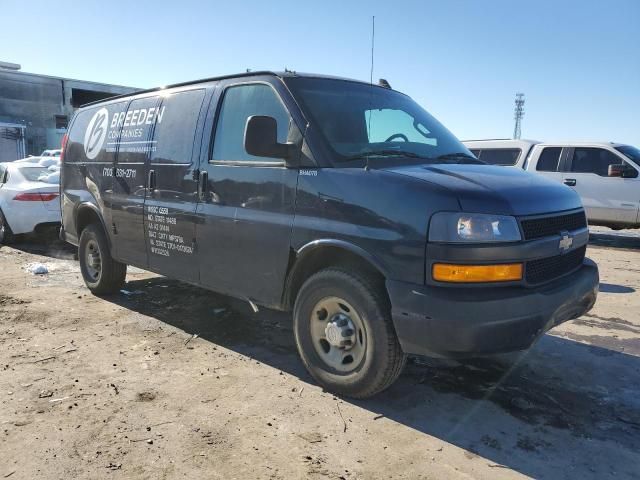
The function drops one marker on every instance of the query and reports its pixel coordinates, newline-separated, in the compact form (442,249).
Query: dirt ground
(171,381)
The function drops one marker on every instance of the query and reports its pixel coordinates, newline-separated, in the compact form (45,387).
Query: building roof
(52,77)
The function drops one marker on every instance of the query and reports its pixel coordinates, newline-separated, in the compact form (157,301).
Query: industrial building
(35,110)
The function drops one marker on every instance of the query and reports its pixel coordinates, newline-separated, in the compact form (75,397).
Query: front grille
(547,269)
(548,226)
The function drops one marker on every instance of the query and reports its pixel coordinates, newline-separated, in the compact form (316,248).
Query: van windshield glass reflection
(357,120)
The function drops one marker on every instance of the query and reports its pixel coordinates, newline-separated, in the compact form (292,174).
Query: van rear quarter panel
(83,178)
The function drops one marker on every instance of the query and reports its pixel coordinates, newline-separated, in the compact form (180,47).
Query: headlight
(456,227)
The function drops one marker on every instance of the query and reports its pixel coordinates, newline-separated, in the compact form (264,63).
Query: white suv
(605,175)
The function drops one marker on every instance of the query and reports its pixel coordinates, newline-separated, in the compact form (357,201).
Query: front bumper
(465,322)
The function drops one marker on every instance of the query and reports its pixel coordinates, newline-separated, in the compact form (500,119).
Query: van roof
(286,73)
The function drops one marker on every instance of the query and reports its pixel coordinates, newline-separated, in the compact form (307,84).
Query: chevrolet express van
(342,201)
(604,174)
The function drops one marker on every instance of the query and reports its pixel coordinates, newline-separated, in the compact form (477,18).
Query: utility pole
(518,114)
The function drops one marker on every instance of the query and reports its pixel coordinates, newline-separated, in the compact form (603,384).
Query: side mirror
(261,138)
(622,170)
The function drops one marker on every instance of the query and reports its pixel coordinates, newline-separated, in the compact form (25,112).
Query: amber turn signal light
(444,272)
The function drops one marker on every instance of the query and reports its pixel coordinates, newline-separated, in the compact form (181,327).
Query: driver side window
(593,160)
(238,104)
(397,126)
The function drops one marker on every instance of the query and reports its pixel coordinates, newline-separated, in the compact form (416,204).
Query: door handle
(570,181)
(151,181)
(204,181)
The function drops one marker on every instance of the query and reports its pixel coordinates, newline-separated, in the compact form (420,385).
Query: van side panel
(245,216)
(170,207)
(130,133)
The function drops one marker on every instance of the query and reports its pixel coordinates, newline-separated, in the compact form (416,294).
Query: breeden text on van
(132,124)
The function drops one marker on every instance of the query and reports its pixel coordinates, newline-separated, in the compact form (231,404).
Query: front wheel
(344,333)
(101,273)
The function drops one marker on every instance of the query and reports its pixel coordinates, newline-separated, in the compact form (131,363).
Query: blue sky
(578,62)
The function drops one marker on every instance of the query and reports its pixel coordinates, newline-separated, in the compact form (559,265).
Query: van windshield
(357,121)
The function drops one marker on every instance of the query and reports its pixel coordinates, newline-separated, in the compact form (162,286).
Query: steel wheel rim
(93,260)
(338,334)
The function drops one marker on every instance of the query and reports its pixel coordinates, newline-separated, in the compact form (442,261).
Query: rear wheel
(101,273)
(344,333)
(6,235)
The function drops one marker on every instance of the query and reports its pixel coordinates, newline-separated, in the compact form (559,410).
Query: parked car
(29,159)
(29,199)
(508,153)
(49,161)
(342,201)
(51,153)
(605,175)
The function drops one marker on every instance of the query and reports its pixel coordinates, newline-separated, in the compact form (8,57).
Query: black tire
(383,359)
(6,235)
(109,277)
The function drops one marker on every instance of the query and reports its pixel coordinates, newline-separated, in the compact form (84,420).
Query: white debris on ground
(37,268)
(129,292)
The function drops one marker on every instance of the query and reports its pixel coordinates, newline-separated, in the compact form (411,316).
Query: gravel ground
(166,380)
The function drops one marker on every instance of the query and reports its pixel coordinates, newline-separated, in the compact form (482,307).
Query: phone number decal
(119,172)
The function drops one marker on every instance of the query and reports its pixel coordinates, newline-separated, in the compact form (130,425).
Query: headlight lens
(456,227)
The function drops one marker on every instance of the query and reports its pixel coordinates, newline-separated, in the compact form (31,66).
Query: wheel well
(6,222)
(86,216)
(327,257)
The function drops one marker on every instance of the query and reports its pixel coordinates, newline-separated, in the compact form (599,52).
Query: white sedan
(51,153)
(29,198)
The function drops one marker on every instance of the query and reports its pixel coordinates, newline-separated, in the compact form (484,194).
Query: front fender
(314,245)
(304,264)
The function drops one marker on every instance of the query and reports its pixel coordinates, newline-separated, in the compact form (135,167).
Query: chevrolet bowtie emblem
(566,241)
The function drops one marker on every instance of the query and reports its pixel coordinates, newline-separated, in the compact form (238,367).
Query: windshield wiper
(458,156)
(455,155)
(383,153)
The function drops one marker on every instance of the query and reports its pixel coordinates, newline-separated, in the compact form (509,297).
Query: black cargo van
(342,201)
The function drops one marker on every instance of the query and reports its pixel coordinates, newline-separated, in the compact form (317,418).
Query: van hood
(494,189)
